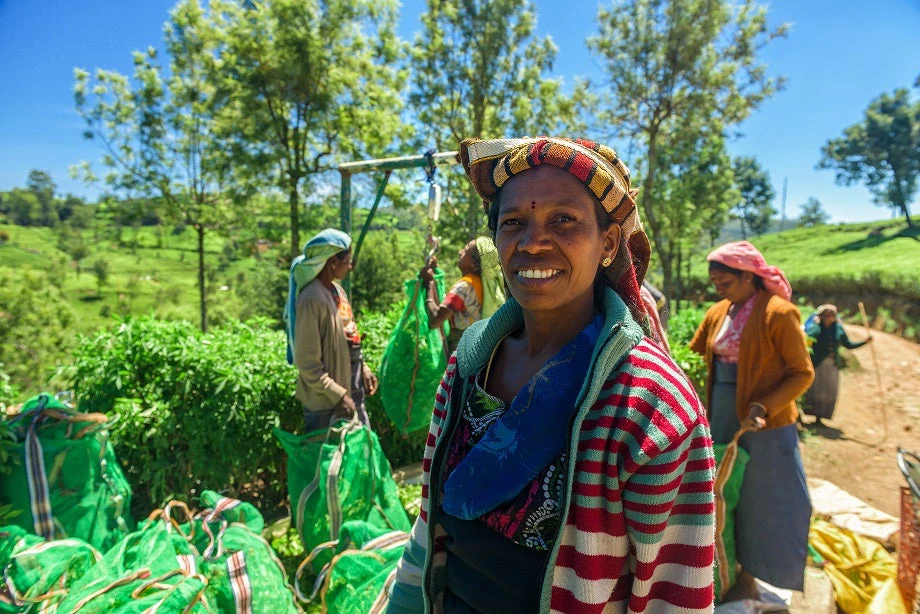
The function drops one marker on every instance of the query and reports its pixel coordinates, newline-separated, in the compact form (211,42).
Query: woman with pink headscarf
(758,366)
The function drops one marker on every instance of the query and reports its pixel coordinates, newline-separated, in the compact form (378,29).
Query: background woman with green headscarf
(475,296)
(323,338)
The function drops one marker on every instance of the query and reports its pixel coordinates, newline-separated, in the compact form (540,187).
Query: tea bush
(195,411)
(681,327)
(192,410)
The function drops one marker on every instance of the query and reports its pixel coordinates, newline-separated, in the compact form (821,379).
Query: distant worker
(323,338)
(758,365)
(475,296)
(825,327)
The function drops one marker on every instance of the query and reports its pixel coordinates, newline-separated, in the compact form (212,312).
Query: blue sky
(839,55)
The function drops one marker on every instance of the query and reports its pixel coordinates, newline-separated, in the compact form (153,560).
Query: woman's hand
(426,275)
(756,418)
(371,383)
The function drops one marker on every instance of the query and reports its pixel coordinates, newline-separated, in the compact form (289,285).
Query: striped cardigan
(638,531)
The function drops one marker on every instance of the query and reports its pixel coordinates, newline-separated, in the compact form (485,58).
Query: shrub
(192,410)
(34,319)
(382,266)
(681,327)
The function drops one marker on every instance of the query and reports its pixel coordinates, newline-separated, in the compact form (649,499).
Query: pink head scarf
(743,256)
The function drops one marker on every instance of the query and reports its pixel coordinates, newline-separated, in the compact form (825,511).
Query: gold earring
(606,262)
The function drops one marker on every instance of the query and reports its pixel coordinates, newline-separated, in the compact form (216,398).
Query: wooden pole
(878,372)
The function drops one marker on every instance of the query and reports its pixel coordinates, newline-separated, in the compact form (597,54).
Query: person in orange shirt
(758,366)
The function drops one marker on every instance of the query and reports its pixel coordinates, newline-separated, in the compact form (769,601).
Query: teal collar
(480,338)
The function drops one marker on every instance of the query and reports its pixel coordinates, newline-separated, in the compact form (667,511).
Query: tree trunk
(203,299)
(906,210)
(648,208)
(294,202)
(743,231)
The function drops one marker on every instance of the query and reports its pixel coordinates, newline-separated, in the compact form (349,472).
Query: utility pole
(782,220)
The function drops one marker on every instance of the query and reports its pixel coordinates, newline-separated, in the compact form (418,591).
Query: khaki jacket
(321,351)
(774,367)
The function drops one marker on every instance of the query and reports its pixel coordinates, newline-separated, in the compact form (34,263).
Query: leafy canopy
(882,151)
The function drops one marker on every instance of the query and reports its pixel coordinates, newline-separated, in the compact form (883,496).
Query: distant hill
(874,262)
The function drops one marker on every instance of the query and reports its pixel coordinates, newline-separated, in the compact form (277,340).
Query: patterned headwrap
(489,164)
(743,256)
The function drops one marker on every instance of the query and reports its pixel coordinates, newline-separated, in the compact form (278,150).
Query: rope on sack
(723,473)
(140,574)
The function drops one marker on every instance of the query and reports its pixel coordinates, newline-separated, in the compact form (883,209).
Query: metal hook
(430,168)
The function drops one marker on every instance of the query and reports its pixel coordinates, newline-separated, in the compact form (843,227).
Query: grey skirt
(774,509)
(822,396)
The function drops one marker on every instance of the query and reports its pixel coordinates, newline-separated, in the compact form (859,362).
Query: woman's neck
(737,304)
(547,332)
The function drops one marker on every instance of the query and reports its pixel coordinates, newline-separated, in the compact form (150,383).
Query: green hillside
(874,262)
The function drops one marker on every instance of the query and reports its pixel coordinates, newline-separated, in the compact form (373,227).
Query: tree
(43,187)
(696,187)
(753,208)
(668,61)
(882,151)
(813,214)
(160,130)
(22,207)
(311,82)
(101,271)
(480,71)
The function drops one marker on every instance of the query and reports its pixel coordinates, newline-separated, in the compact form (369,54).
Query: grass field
(142,277)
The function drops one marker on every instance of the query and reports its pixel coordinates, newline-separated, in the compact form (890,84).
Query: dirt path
(847,450)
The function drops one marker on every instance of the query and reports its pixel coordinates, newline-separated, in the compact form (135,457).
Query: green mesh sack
(336,475)
(353,574)
(414,361)
(213,562)
(68,483)
(38,574)
(243,572)
(730,463)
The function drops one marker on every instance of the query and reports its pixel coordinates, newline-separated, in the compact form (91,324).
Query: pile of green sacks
(215,561)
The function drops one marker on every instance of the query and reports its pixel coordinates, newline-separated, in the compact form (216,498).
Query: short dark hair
(724,268)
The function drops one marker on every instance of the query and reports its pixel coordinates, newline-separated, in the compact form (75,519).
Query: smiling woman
(565,444)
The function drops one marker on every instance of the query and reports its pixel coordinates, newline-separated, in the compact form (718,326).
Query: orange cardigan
(774,368)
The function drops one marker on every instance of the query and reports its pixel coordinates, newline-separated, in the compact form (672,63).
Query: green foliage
(382,266)
(193,410)
(681,327)
(7,442)
(812,214)
(101,269)
(34,327)
(754,209)
(882,151)
(310,83)
(679,72)
(480,70)
(411,497)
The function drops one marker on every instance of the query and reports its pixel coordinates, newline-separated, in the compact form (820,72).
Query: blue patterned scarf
(527,437)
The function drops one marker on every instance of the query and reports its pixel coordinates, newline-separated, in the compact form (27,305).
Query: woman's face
(549,241)
(465,255)
(341,265)
(736,288)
